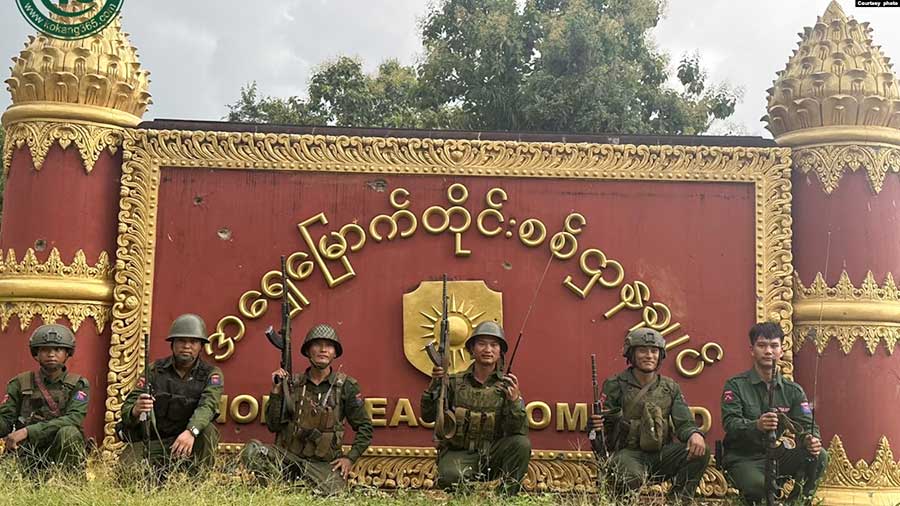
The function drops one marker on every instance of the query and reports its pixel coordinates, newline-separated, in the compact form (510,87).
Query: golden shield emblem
(468,304)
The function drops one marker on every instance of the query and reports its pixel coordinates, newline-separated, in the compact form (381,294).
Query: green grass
(102,486)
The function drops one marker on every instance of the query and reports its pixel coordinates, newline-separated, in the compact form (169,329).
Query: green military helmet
(644,337)
(56,336)
(190,326)
(488,329)
(322,331)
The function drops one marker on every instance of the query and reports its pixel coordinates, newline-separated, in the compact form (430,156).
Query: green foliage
(544,65)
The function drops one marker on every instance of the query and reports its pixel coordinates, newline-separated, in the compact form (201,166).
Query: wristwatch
(195,431)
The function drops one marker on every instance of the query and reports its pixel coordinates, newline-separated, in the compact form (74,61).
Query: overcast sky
(200,52)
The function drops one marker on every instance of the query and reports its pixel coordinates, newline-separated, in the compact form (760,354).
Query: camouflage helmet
(644,337)
(488,329)
(56,336)
(322,331)
(190,326)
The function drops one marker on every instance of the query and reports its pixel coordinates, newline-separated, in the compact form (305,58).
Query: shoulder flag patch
(141,383)
(806,408)
(81,396)
(5,398)
(359,399)
(215,380)
(728,396)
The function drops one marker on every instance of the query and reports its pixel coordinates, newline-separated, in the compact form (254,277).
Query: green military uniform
(744,400)
(53,411)
(180,404)
(306,444)
(491,439)
(641,438)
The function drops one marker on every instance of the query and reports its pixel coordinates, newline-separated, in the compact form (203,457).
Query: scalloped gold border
(882,473)
(847,313)
(829,162)
(145,151)
(90,139)
(53,289)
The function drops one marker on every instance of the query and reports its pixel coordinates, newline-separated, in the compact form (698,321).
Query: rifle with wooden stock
(444,421)
(282,340)
(771,464)
(601,453)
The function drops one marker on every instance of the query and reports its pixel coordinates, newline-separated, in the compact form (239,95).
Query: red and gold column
(837,105)
(71,104)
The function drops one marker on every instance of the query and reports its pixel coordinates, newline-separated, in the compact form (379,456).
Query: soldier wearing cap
(309,427)
(183,405)
(42,413)
(649,429)
(491,437)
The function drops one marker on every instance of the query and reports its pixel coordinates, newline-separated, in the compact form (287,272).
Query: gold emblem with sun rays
(469,303)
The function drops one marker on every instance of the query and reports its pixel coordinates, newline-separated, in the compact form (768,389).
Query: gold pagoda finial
(837,91)
(83,90)
(97,78)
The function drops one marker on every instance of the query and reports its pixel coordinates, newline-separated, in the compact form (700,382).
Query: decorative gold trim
(882,473)
(412,467)
(847,313)
(53,289)
(829,162)
(90,138)
(145,151)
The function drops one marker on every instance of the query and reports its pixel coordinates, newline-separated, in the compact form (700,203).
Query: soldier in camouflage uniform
(309,426)
(491,439)
(747,418)
(42,414)
(183,405)
(649,428)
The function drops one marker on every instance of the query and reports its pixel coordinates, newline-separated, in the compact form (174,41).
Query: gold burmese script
(563,416)
(330,255)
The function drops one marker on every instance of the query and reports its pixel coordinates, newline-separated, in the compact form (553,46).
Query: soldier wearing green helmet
(650,431)
(491,437)
(183,405)
(308,444)
(42,413)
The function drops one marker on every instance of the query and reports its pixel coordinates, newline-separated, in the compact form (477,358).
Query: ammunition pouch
(653,432)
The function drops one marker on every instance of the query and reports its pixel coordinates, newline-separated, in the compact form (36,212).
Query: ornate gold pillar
(71,101)
(837,106)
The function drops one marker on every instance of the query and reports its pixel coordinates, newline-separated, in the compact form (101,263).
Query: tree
(546,65)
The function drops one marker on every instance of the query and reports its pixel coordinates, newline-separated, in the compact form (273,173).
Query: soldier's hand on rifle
(512,389)
(767,422)
(813,445)
(342,465)
(183,445)
(277,377)
(144,404)
(15,437)
(596,422)
(437,372)
(696,446)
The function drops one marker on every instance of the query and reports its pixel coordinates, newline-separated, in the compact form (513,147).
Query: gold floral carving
(882,472)
(90,139)
(829,162)
(53,289)
(847,313)
(146,151)
(837,76)
(102,71)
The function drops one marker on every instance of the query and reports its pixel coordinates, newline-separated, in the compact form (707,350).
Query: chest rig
(34,407)
(177,399)
(477,413)
(317,430)
(647,414)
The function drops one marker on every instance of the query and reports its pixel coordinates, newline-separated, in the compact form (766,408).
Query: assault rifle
(597,409)
(147,418)
(444,421)
(282,340)
(771,465)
